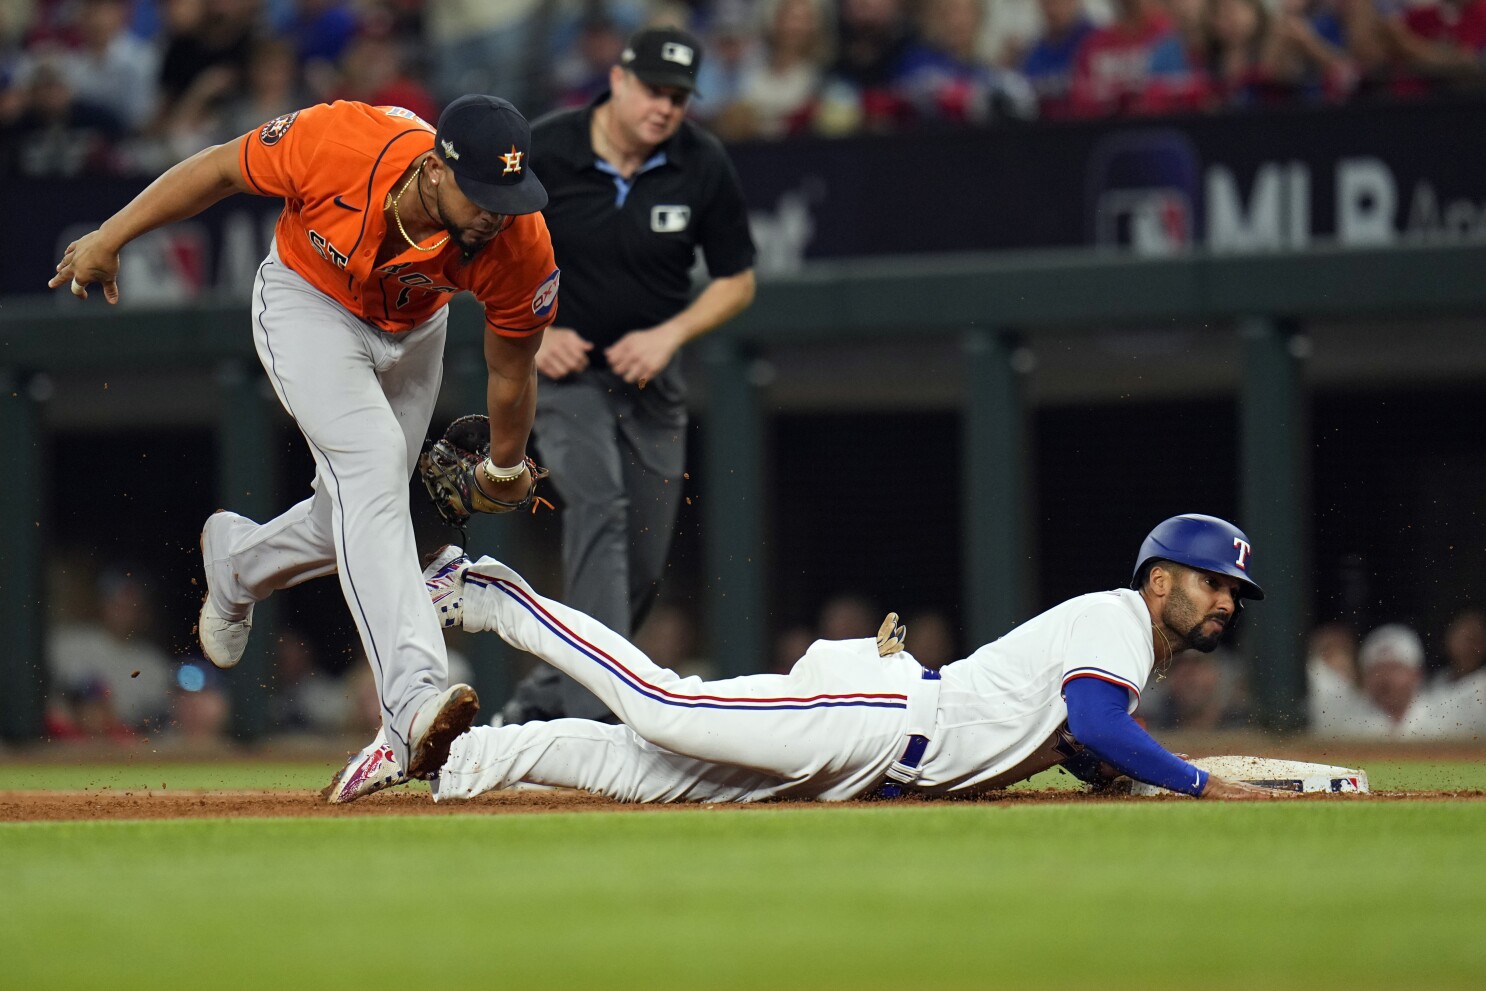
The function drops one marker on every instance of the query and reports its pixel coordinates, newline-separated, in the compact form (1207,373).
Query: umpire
(634,189)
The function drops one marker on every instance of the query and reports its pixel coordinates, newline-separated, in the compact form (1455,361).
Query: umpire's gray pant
(617,453)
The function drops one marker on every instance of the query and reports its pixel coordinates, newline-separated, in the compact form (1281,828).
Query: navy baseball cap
(487,144)
(664,57)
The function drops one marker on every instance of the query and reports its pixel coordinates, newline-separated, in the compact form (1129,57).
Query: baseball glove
(448,469)
(892,636)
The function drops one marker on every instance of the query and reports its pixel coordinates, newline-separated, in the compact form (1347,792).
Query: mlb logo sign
(1148,221)
(680,54)
(1144,189)
(670,219)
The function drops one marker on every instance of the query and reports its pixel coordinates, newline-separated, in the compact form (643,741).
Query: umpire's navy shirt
(626,249)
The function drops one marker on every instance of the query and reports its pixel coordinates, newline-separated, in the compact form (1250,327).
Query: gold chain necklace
(1161,671)
(397,216)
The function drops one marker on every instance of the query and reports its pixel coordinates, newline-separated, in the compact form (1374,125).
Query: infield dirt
(106,803)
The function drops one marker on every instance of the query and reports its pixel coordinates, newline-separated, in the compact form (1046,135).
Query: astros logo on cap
(449,151)
(512,159)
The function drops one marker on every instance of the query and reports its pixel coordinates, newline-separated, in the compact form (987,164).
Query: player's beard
(470,241)
(1181,615)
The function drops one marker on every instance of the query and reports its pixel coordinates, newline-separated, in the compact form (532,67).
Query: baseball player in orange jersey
(385,219)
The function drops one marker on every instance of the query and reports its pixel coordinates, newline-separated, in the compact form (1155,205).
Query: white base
(1270,772)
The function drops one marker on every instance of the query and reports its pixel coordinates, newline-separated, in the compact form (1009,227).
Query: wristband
(501,476)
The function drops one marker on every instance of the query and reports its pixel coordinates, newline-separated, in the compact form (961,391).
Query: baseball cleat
(442,720)
(444,579)
(370,770)
(223,640)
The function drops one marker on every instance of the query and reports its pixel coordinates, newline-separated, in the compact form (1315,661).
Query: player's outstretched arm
(1222,788)
(511,395)
(184,190)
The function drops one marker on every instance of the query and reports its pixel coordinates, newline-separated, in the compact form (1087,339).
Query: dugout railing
(994,306)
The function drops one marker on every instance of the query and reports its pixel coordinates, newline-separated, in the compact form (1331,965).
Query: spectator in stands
(584,73)
(931,638)
(668,632)
(1113,70)
(482,47)
(847,615)
(200,705)
(1311,51)
(1048,65)
(324,30)
(860,92)
(1334,699)
(112,68)
(1239,59)
(789,646)
(1456,696)
(373,70)
(943,78)
(732,50)
(113,651)
(85,712)
(303,697)
(56,135)
(1201,692)
(1392,661)
(208,45)
(780,90)
(1465,649)
(273,88)
(1436,45)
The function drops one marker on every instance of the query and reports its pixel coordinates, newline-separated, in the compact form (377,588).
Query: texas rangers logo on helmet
(275,129)
(1244,550)
(546,296)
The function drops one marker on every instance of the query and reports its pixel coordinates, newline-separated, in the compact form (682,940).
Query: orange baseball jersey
(335,165)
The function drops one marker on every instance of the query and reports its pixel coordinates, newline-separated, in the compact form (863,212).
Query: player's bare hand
(641,355)
(563,352)
(1240,791)
(87,260)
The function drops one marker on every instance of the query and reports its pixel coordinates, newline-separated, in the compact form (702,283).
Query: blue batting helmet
(1204,542)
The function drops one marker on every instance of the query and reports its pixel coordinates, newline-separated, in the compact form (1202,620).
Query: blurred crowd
(132,86)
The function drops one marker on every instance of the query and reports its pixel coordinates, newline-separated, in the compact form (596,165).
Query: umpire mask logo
(670,219)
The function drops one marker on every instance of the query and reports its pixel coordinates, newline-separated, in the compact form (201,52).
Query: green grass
(1304,895)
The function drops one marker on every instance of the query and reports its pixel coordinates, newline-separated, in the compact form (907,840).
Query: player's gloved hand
(892,636)
(451,467)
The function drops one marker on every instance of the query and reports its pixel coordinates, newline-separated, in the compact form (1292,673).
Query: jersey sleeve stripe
(247,170)
(529,602)
(1102,675)
(516,331)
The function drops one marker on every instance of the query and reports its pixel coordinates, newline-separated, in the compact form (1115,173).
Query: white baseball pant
(830,729)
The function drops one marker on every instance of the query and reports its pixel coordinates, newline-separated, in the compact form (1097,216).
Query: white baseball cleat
(441,720)
(444,579)
(371,770)
(223,640)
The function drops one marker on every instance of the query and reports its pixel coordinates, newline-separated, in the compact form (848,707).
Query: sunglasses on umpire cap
(486,143)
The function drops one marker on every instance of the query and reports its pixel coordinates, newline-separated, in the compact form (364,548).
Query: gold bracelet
(501,476)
